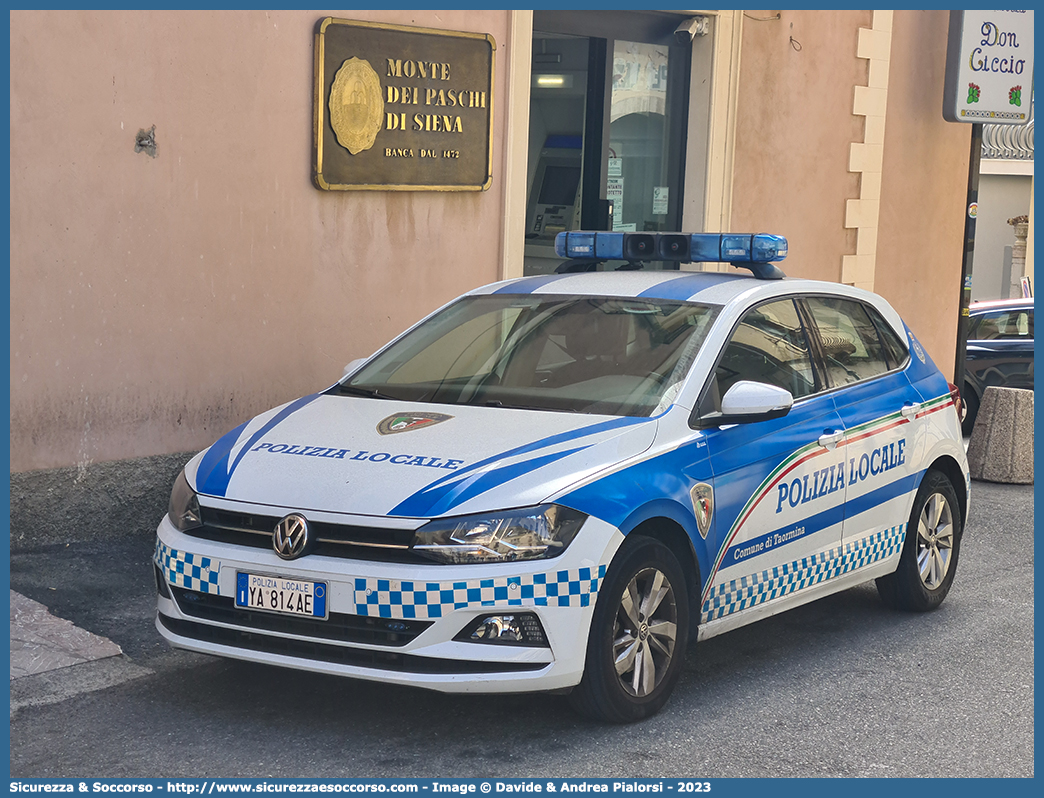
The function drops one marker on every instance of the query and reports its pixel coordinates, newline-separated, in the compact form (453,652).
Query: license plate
(278,594)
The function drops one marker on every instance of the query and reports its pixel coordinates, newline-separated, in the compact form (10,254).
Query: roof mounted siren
(757,251)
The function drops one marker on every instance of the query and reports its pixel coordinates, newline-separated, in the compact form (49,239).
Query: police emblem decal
(917,349)
(702,496)
(356,105)
(407,422)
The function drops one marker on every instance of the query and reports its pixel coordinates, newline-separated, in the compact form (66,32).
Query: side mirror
(748,401)
(353,366)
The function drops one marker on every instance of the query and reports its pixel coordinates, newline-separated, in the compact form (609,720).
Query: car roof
(1001,304)
(740,290)
(714,288)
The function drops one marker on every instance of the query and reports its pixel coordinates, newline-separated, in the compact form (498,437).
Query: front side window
(576,354)
(769,346)
(852,348)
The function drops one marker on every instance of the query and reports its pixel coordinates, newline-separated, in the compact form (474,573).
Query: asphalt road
(840,687)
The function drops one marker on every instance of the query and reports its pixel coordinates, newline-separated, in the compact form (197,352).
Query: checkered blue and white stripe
(878,546)
(188,570)
(750,591)
(392,598)
(386,598)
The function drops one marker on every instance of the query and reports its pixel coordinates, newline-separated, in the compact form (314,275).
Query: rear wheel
(929,559)
(639,632)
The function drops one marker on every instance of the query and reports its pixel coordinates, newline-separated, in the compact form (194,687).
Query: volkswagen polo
(561,483)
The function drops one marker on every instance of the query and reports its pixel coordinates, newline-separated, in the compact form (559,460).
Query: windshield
(563,353)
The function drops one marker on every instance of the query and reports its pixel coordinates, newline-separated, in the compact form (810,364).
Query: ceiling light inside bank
(553,81)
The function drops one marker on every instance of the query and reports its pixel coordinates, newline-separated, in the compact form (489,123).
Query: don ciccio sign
(402,109)
(989,67)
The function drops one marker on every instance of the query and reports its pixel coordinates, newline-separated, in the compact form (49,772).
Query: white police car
(559,482)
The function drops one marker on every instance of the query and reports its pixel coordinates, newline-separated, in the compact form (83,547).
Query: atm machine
(554,201)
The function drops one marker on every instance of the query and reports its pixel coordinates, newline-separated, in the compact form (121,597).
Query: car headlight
(527,534)
(184,506)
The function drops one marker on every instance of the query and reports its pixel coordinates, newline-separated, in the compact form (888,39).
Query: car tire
(931,549)
(971,410)
(648,640)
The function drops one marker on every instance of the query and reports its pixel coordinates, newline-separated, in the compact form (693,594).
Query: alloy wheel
(934,541)
(645,632)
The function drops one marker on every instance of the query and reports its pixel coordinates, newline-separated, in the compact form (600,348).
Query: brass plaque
(402,109)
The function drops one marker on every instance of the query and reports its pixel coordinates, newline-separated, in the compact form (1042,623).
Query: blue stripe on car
(531,284)
(215,472)
(832,516)
(868,501)
(414,506)
(623,498)
(444,501)
(680,289)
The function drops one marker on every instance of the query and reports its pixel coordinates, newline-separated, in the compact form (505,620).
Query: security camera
(691,28)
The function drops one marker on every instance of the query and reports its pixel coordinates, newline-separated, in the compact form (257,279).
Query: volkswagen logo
(292,538)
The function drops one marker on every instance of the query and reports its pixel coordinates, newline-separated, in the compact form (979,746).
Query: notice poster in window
(614,193)
(615,167)
(660,199)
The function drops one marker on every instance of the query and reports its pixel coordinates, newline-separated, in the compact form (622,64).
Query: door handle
(830,440)
(911,409)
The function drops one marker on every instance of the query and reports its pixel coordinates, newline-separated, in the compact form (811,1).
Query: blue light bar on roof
(681,247)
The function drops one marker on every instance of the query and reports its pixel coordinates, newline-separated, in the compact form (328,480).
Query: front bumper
(389,622)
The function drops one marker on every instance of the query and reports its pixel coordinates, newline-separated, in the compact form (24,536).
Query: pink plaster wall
(794,125)
(923,188)
(794,128)
(157,303)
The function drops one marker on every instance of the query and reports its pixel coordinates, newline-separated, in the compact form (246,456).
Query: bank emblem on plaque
(402,108)
(356,105)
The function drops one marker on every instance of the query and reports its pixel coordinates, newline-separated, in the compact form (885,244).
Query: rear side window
(897,350)
(1001,324)
(852,347)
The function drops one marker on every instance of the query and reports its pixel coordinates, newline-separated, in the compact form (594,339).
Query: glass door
(607,127)
(638,179)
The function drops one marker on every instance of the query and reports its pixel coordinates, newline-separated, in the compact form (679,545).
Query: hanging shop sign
(989,67)
(402,109)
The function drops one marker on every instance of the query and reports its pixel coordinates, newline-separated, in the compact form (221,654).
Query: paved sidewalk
(44,649)
(43,642)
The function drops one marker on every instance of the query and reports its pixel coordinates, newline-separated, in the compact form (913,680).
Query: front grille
(339,655)
(332,540)
(339,626)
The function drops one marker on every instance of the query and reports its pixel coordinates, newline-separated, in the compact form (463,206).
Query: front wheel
(929,559)
(636,647)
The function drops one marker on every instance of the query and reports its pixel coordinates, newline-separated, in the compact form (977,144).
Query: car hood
(388,458)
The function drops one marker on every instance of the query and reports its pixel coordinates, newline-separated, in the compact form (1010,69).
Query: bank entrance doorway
(607,127)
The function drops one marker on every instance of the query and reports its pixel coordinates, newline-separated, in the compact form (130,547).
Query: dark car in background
(999,353)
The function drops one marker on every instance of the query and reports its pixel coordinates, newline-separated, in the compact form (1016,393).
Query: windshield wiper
(513,406)
(369,393)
